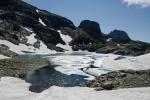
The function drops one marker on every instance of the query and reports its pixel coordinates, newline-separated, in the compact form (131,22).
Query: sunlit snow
(67,39)
(16,89)
(40,20)
(3,57)
(21,48)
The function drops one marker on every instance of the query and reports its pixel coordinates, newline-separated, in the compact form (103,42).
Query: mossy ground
(15,66)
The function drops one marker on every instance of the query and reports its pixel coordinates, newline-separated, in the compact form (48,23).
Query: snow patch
(37,10)
(79,63)
(31,39)
(19,49)
(109,39)
(29,30)
(135,63)
(22,47)
(3,57)
(67,39)
(16,89)
(40,20)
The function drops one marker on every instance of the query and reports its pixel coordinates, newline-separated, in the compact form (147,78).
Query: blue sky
(132,17)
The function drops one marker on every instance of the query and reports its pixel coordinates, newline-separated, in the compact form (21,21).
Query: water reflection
(45,77)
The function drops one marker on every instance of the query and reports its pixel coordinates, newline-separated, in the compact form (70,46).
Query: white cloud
(143,3)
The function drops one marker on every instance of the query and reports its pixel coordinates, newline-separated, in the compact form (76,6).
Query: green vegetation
(22,63)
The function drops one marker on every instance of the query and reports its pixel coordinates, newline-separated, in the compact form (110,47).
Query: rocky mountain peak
(92,28)
(20,23)
(119,36)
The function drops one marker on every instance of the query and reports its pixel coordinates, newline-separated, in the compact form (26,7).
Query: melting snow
(16,89)
(67,39)
(71,63)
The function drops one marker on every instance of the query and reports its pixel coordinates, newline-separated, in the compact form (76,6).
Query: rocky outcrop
(5,51)
(134,48)
(55,21)
(92,28)
(118,36)
(16,15)
(76,34)
(120,79)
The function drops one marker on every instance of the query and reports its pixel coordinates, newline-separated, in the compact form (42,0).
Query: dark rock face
(5,51)
(121,79)
(78,35)
(55,21)
(47,35)
(134,48)
(119,36)
(15,15)
(92,28)
(81,39)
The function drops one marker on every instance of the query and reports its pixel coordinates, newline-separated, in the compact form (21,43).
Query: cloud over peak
(143,3)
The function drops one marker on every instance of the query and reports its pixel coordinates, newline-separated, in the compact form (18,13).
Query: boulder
(107,85)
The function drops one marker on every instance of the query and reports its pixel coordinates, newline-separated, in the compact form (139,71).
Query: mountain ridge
(19,20)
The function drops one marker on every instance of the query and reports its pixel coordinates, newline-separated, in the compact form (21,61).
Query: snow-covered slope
(22,48)
(16,89)
(67,39)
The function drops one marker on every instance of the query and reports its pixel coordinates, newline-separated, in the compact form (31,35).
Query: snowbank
(16,89)
(67,39)
(19,49)
(3,57)
(22,47)
(135,63)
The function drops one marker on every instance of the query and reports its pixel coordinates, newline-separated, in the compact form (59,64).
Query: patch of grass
(19,63)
